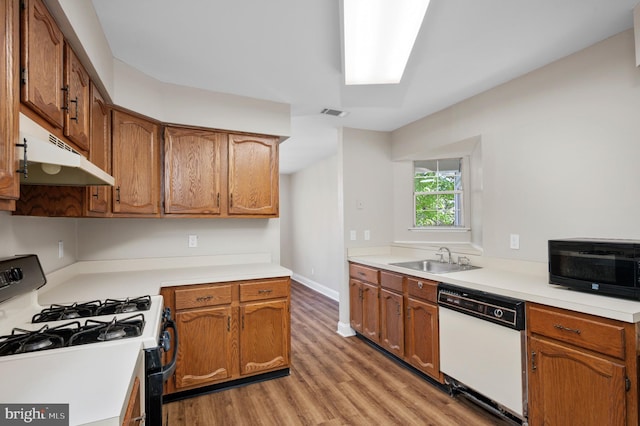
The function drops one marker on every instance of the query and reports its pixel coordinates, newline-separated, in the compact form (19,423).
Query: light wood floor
(334,381)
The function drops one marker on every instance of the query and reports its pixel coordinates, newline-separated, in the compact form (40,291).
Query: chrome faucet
(440,253)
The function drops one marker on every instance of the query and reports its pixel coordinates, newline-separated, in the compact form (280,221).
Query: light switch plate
(352,235)
(514,241)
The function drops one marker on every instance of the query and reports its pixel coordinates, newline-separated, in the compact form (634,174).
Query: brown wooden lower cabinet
(422,337)
(392,322)
(582,369)
(229,330)
(132,416)
(399,313)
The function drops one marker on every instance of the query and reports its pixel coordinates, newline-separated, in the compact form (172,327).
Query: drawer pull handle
(265,291)
(204,298)
(362,274)
(420,285)
(563,328)
(534,367)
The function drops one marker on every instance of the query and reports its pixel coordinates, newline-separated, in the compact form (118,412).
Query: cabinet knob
(420,285)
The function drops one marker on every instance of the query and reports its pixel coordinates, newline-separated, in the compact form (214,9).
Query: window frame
(464,210)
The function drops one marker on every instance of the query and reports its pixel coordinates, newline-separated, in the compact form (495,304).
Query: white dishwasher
(482,348)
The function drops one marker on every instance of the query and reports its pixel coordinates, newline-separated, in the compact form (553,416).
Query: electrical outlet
(352,235)
(60,249)
(193,241)
(514,241)
(367,235)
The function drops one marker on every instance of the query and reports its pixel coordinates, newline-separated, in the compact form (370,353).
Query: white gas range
(86,354)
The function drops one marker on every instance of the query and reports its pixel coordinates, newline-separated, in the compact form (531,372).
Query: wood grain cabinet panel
(253,175)
(392,322)
(582,369)
(193,171)
(135,165)
(10,105)
(42,63)
(400,314)
(221,338)
(422,337)
(204,346)
(132,416)
(99,197)
(264,341)
(566,381)
(78,100)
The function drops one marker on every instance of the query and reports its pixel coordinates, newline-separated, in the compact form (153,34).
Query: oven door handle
(169,369)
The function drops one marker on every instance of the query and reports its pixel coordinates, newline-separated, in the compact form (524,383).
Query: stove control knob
(15,274)
(498,313)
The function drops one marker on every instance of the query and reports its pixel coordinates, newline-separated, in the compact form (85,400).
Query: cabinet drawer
(364,273)
(267,289)
(422,289)
(587,331)
(207,295)
(391,281)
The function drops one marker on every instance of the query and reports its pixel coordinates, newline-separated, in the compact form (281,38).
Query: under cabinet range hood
(50,161)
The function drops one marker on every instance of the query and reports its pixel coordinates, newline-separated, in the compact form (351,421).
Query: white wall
(314,246)
(39,235)
(559,150)
(119,238)
(171,103)
(367,184)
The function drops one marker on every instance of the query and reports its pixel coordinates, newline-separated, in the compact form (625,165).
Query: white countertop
(528,286)
(95,381)
(115,279)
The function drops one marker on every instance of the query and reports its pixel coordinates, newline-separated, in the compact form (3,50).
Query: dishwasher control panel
(491,307)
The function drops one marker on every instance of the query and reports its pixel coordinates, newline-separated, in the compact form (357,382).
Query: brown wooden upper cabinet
(9,107)
(99,197)
(54,82)
(135,165)
(253,175)
(193,171)
(78,100)
(42,63)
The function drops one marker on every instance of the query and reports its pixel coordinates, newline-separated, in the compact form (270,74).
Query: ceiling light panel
(378,37)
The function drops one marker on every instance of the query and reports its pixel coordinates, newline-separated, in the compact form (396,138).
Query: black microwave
(610,267)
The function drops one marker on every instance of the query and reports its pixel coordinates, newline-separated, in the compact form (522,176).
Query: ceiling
(290,51)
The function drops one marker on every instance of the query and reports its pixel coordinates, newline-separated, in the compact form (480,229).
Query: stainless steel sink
(434,266)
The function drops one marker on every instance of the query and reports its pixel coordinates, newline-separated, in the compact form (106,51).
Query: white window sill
(440,229)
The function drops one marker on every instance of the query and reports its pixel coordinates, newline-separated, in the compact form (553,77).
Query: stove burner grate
(23,341)
(102,331)
(120,306)
(65,312)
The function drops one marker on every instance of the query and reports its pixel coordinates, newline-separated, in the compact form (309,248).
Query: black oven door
(156,374)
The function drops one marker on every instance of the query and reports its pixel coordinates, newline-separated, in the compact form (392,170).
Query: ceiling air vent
(334,112)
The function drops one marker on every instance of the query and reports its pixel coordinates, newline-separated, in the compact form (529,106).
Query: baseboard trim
(313,285)
(345,330)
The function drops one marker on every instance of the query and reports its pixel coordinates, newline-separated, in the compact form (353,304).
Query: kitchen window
(438,193)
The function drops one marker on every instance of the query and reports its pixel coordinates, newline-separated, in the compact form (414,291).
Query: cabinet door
(355,304)
(253,175)
(99,151)
(42,62)
(76,80)
(9,107)
(135,165)
(264,336)
(422,350)
(392,322)
(205,346)
(371,312)
(569,386)
(192,171)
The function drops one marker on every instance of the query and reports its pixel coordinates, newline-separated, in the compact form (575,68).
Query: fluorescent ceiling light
(378,38)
